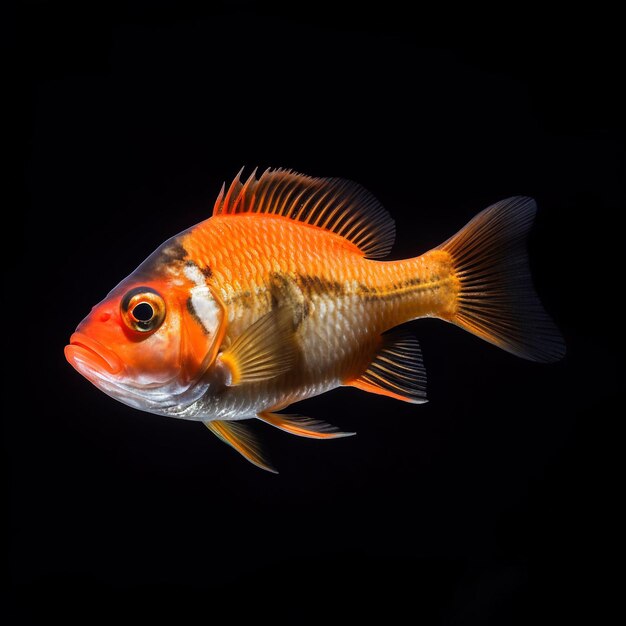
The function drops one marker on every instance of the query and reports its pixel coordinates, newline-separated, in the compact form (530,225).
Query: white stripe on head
(202,300)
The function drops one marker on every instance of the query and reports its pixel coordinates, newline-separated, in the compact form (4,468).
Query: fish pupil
(143,312)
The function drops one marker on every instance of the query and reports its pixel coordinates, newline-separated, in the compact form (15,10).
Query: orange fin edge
(303,426)
(371,388)
(239,437)
(396,371)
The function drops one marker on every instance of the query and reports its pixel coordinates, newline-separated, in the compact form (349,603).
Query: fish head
(146,346)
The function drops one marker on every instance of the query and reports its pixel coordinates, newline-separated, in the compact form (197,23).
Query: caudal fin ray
(496,298)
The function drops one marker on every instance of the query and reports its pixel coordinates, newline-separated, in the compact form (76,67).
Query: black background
(492,504)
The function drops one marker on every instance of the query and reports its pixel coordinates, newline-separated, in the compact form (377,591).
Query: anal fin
(302,426)
(396,371)
(237,435)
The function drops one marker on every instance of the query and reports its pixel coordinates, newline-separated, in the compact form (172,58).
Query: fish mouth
(83,351)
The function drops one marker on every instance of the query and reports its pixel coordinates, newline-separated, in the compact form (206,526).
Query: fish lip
(82,349)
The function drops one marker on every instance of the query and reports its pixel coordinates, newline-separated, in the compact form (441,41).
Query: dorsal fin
(340,206)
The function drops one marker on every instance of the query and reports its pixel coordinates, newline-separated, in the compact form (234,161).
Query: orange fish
(280,296)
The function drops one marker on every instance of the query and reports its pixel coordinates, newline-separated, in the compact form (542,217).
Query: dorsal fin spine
(272,198)
(340,207)
(347,224)
(306,209)
(332,204)
(219,199)
(356,225)
(329,219)
(244,188)
(287,195)
(231,190)
(294,203)
(363,237)
(302,209)
(261,199)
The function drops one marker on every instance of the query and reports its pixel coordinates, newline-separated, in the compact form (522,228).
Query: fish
(281,295)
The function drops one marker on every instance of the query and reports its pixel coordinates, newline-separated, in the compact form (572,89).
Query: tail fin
(496,298)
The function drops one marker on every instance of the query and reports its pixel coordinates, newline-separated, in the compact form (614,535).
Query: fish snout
(84,351)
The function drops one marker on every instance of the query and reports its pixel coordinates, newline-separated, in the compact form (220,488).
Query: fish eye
(143,309)
(143,312)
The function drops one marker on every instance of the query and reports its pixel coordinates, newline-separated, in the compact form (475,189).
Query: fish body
(340,302)
(281,295)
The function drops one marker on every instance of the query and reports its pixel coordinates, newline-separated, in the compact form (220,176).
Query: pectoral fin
(303,426)
(396,371)
(265,350)
(238,436)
